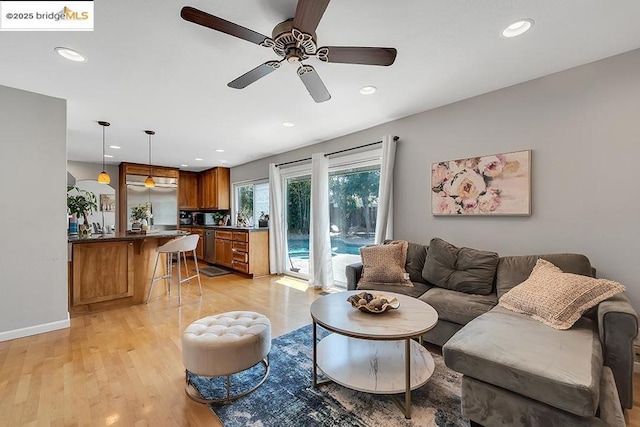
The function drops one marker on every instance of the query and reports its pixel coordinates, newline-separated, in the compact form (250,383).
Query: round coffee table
(365,352)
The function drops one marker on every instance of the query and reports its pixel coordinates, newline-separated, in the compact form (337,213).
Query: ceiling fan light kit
(294,40)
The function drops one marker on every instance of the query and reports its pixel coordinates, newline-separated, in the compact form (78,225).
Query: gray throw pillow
(460,269)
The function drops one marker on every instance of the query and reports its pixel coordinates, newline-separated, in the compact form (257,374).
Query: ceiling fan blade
(202,18)
(357,55)
(308,15)
(313,83)
(257,73)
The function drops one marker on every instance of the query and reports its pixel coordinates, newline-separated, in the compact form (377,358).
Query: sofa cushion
(458,307)
(413,291)
(384,264)
(518,353)
(460,269)
(416,255)
(513,270)
(555,298)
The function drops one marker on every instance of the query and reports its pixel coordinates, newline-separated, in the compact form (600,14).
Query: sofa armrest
(354,272)
(618,326)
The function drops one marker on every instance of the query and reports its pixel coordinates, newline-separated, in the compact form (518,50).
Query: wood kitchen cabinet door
(200,247)
(214,187)
(224,252)
(188,197)
(102,272)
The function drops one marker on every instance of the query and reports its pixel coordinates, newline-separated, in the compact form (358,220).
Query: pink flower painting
(498,184)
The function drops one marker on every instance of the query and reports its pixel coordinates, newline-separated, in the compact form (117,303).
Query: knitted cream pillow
(555,298)
(384,264)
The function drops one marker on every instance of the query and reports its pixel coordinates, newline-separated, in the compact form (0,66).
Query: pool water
(299,248)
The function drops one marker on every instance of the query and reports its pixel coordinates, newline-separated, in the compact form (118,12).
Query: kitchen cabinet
(188,190)
(214,188)
(244,251)
(223,248)
(146,170)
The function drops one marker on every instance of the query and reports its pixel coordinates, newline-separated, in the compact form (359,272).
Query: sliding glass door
(298,216)
(353,206)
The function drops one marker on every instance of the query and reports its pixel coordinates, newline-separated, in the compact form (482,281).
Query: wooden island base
(114,271)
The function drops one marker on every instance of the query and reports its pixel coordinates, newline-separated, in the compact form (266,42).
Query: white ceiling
(149,69)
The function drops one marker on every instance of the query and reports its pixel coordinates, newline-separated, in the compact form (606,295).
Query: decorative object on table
(373,303)
(103,177)
(140,214)
(498,184)
(149,182)
(80,203)
(287,399)
(263,221)
(107,202)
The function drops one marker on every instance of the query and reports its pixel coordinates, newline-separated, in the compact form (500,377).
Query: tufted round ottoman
(226,344)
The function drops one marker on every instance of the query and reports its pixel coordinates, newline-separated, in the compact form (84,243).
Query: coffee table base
(372,366)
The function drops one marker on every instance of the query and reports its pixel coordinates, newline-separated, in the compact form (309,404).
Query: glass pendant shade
(103,177)
(149,182)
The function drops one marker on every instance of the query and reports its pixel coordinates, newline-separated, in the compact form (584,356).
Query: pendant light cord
(102,148)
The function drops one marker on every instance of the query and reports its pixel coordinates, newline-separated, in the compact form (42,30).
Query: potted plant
(263,221)
(139,215)
(81,203)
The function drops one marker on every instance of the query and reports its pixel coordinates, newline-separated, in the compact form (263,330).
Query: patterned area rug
(287,399)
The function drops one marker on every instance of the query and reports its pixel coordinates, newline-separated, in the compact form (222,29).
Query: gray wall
(33,261)
(583,126)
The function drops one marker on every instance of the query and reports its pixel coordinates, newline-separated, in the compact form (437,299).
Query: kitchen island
(113,270)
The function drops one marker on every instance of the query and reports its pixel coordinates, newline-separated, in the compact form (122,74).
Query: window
(353,202)
(251,201)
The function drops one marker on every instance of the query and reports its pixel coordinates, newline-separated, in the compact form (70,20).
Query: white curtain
(320,266)
(277,241)
(384,218)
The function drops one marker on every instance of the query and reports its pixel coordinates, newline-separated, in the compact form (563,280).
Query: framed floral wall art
(498,184)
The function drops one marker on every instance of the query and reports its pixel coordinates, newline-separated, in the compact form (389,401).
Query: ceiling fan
(295,41)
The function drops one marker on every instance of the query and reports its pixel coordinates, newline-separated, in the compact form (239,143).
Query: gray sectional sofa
(516,370)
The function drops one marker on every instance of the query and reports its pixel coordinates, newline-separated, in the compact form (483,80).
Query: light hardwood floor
(124,367)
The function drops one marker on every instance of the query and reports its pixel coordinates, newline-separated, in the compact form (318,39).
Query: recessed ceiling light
(219,150)
(198,159)
(115,147)
(368,90)
(108,156)
(70,54)
(288,124)
(184,166)
(518,28)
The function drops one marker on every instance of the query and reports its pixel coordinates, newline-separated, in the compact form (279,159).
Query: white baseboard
(34,330)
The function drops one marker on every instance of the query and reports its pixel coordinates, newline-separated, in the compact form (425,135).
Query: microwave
(204,219)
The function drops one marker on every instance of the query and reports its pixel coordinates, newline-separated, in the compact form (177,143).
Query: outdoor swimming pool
(299,248)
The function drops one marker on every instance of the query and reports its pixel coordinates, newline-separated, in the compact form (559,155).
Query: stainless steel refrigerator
(163,199)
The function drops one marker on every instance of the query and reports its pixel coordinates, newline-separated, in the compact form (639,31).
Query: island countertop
(122,236)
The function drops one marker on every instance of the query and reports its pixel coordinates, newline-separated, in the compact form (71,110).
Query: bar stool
(179,246)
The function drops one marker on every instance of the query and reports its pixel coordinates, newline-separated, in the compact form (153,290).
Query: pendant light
(103,177)
(149,182)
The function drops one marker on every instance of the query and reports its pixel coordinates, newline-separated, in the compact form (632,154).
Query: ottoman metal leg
(193,393)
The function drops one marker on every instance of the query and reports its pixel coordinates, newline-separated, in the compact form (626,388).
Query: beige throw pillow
(384,264)
(555,298)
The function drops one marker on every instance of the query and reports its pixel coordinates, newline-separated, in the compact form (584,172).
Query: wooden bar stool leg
(179,282)
(197,271)
(155,268)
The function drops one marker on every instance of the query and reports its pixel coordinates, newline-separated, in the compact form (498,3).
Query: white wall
(583,126)
(33,248)
(89,171)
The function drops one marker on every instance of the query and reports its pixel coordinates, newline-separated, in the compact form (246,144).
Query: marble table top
(413,318)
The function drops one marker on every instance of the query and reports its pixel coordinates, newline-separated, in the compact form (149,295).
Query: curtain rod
(306,159)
